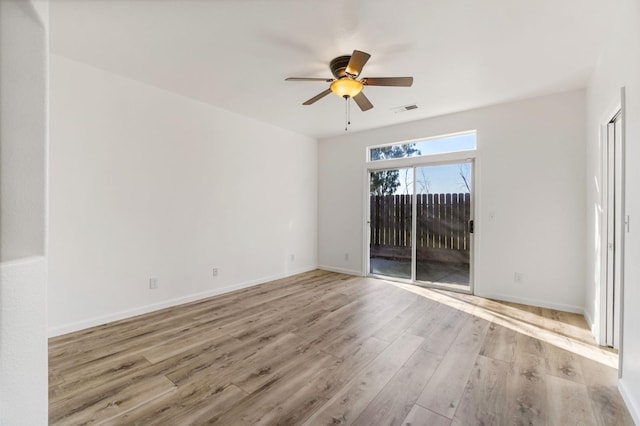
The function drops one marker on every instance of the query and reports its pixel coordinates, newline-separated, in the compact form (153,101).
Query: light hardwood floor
(324,348)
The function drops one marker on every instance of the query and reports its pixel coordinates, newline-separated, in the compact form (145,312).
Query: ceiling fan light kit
(346,70)
(346,87)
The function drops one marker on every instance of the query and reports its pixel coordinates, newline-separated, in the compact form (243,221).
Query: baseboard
(629,401)
(595,330)
(534,302)
(590,323)
(341,270)
(116,316)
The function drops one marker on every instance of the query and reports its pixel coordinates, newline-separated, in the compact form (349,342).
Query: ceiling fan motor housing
(339,65)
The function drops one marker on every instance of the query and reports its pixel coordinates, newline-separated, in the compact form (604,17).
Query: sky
(435,179)
(454,143)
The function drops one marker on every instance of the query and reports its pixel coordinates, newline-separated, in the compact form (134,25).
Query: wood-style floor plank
(101,404)
(327,348)
(446,327)
(485,393)
(564,364)
(568,403)
(395,400)
(500,343)
(526,403)
(443,392)
(601,382)
(287,399)
(192,404)
(94,375)
(419,416)
(349,402)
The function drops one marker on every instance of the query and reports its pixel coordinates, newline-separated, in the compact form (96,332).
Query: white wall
(619,66)
(22,155)
(23,342)
(531,157)
(23,265)
(146,183)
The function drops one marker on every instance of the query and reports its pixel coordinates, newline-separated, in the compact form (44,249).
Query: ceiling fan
(346,70)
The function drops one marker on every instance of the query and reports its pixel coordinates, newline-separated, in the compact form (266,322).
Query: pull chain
(347,112)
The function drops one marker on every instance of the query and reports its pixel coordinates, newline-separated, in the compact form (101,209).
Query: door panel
(443,212)
(391,219)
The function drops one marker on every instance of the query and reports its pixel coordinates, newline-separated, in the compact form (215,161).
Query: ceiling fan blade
(388,81)
(317,97)
(363,102)
(357,61)
(328,80)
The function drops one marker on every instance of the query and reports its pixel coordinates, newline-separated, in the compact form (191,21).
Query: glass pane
(390,194)
(443,210)
(441,145)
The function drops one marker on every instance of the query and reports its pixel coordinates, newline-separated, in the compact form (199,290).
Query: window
(424,147)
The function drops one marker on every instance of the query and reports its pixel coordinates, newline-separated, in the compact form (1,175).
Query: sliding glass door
(391,223)
(420,224)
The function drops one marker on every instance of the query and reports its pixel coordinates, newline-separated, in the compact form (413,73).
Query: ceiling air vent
(404,108)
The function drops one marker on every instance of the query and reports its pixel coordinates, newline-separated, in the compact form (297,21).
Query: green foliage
(386,182)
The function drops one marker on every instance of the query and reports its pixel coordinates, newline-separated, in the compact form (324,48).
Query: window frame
(445,155)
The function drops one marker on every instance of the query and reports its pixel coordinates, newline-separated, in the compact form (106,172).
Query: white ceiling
(235,54)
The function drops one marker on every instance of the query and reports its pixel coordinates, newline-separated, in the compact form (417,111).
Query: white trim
(602,291)
(599,331)
(632,405)
(534,302)
(414,227)
(341,270)
(473,242)
(92,322)
(616,106)
(366,226)
(623,216)
(590,323)
(431,160)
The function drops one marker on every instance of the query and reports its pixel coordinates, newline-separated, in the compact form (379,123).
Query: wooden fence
(442,227)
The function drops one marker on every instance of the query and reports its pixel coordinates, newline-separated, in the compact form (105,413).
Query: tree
(385,182)
(424,183)
(464,170)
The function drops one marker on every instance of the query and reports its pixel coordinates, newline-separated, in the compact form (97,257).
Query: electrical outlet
(153,283)
(215,272)
(518,277)
(293,257)
(346,256)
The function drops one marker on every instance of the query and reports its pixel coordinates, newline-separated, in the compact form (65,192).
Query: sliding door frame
(413,163)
